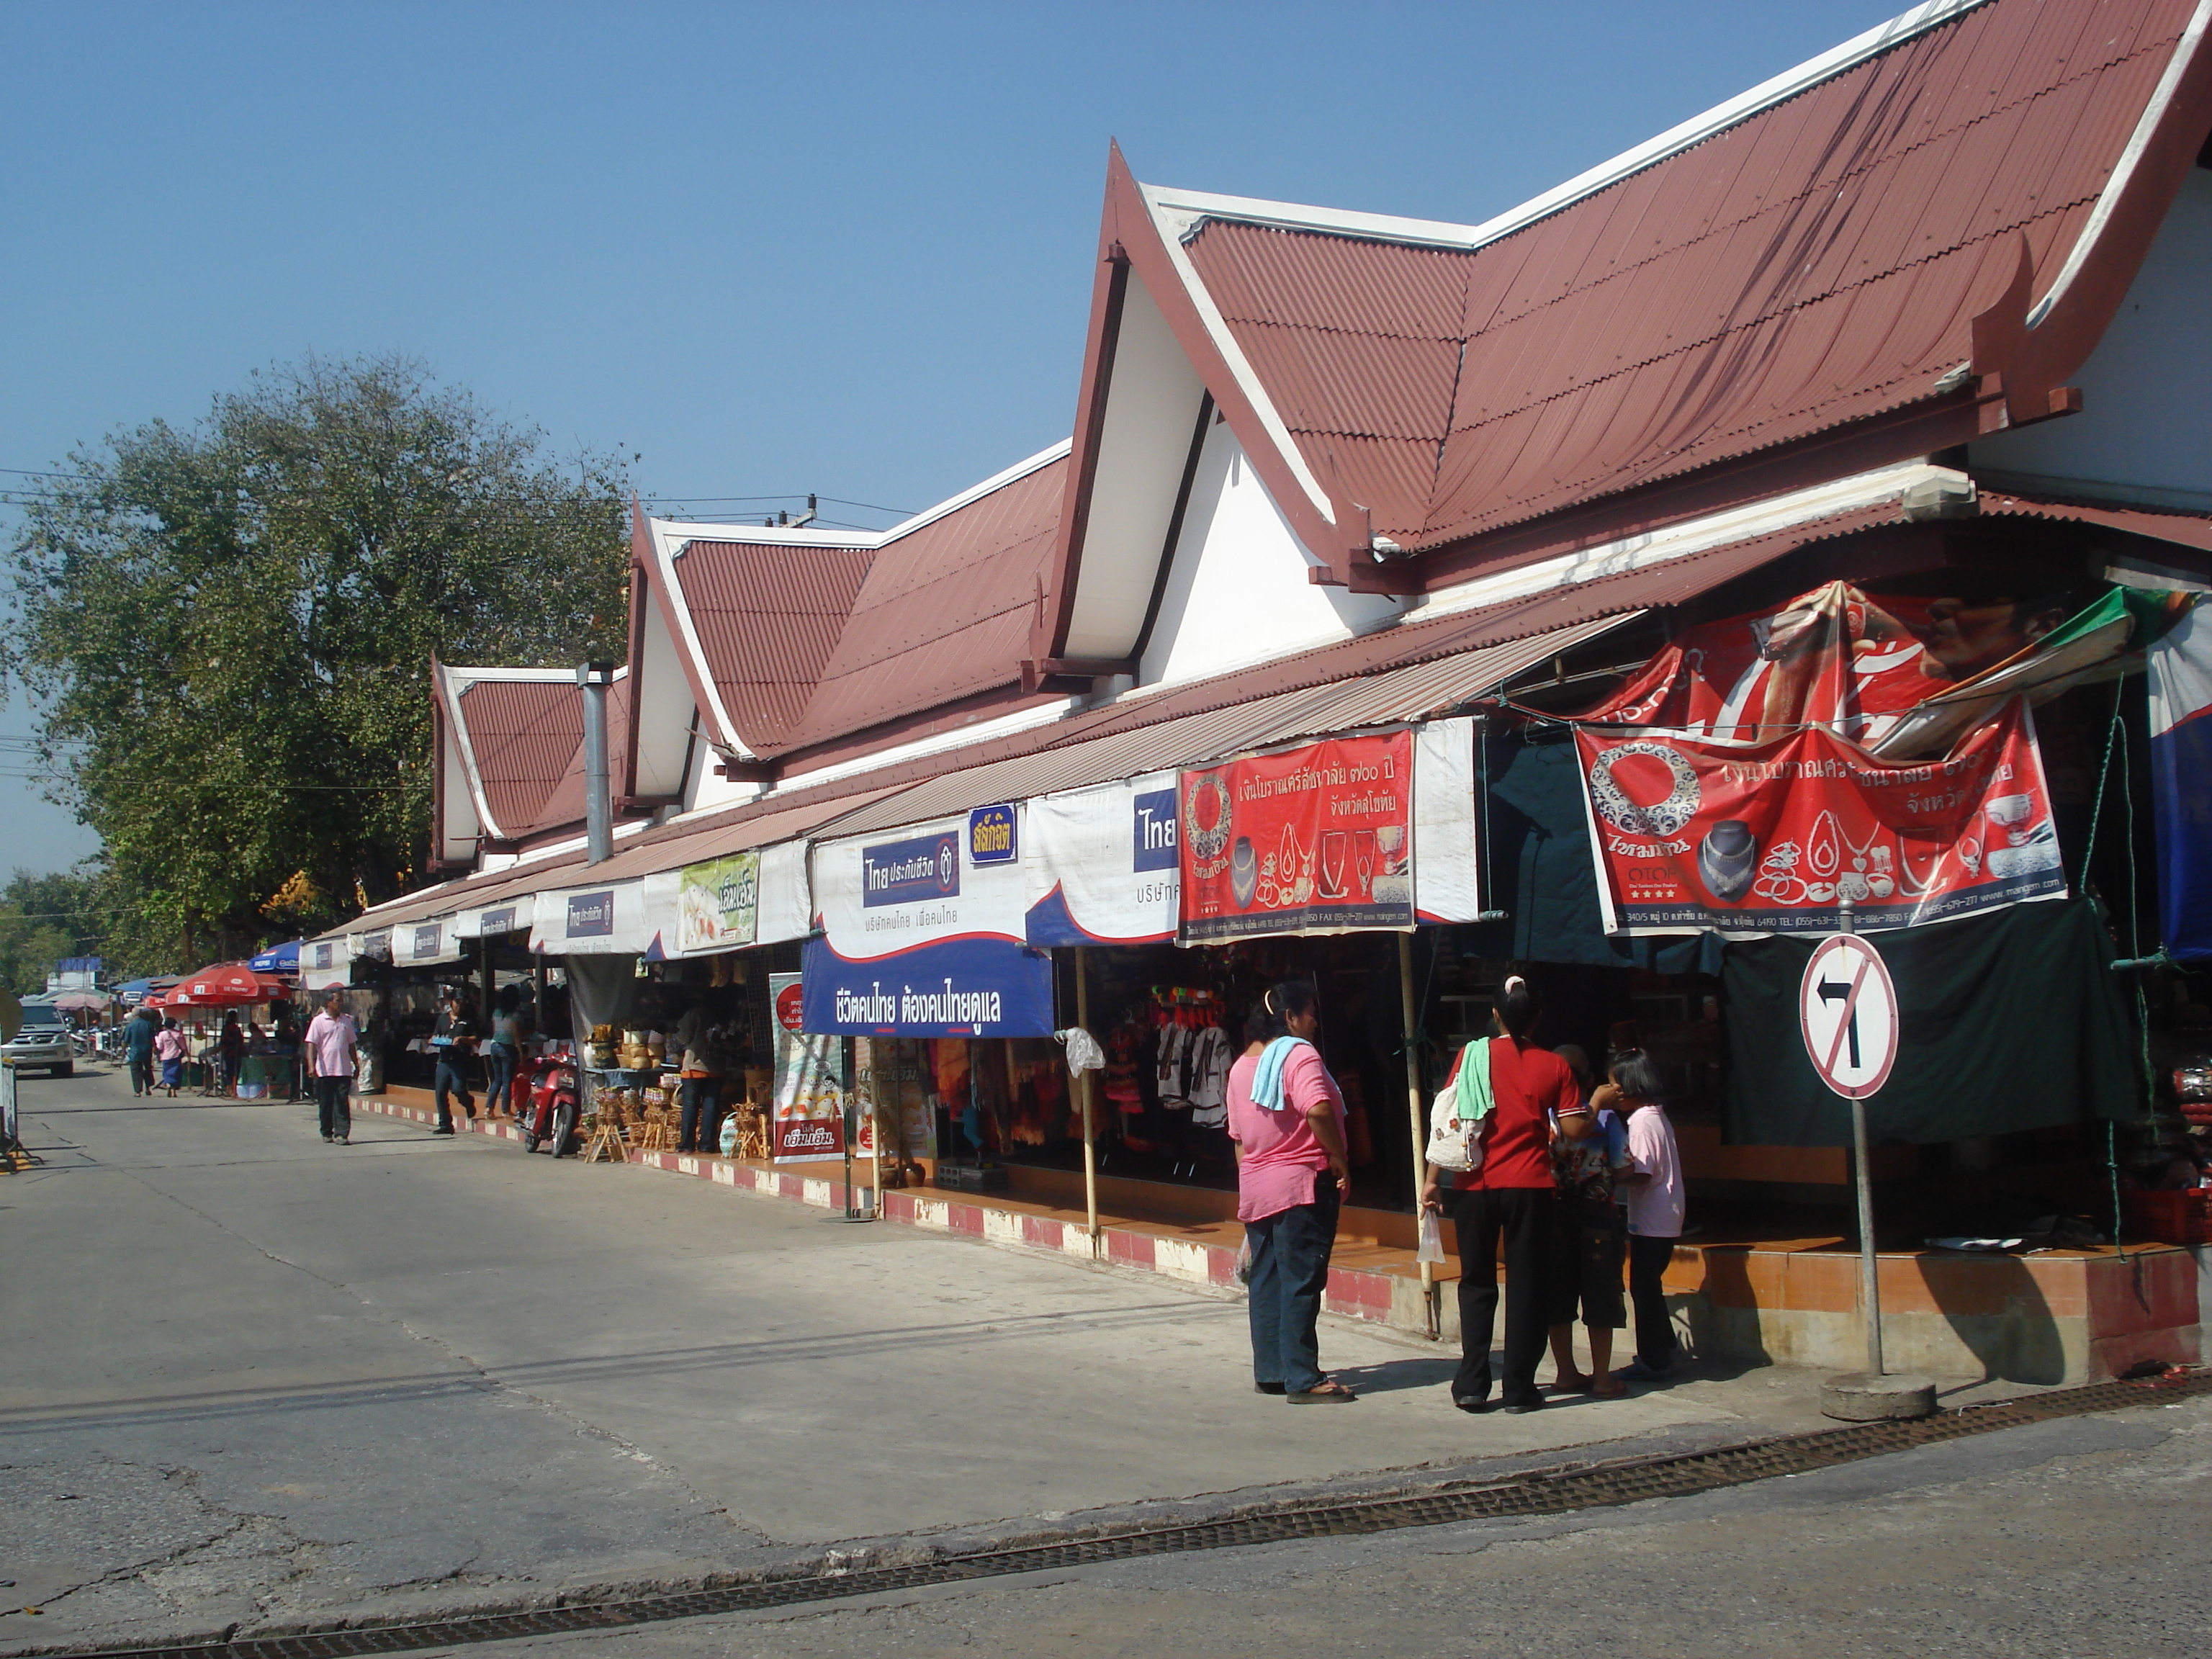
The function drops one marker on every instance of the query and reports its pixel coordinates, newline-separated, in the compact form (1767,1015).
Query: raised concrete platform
(2060,1317)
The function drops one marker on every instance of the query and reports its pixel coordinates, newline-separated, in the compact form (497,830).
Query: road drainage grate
(1529,1496)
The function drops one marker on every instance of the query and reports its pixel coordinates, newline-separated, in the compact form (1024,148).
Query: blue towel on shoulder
(1267,1080)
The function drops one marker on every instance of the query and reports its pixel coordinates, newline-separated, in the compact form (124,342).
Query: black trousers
(1655,1331)
(330,1107)
(1523,1217)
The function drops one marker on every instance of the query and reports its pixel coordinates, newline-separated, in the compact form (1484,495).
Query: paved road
(254,1379)
(2075,1539)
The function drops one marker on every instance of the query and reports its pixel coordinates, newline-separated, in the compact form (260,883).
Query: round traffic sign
(1847,1013)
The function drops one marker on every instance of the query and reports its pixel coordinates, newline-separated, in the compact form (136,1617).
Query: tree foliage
(227,633)
(44,918)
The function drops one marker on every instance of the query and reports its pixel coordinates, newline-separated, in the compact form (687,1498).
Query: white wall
(1151,406)
(2145,429)
(665,709)
(458,827)
(1237,593)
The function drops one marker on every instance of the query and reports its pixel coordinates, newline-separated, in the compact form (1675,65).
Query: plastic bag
(1433,1239)
(1244,1260)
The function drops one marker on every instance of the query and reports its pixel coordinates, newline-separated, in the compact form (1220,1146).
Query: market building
(1405,602)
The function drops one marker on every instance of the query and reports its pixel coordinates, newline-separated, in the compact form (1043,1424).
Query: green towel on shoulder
(1472,1098)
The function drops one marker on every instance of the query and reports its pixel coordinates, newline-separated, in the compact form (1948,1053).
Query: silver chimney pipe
(598,807)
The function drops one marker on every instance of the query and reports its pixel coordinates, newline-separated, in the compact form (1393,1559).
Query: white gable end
(1237,591)
(1144,444)
(2145,430)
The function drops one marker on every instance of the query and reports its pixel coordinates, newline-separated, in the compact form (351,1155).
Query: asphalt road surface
(254,1381)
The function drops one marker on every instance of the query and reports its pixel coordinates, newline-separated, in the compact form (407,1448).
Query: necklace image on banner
(1751,839)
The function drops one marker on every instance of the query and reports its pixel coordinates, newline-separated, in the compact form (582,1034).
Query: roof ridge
(1776,90)
(1887,157)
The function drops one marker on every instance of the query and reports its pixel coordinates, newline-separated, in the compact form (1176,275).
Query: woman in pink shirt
(1286,1116)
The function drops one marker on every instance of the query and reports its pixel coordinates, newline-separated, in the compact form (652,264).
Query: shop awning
(1407,693)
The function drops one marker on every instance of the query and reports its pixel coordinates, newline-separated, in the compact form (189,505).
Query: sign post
(1848,1015)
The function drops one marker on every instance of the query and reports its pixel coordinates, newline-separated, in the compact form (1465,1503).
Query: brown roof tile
(523,734)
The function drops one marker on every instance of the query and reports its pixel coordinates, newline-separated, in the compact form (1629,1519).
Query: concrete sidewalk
(256,1379)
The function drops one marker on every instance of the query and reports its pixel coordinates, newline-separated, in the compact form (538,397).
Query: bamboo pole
(1088,1083)
(1415,1113)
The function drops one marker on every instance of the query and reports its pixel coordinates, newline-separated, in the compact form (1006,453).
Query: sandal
(1323,1393)
(1573,1382)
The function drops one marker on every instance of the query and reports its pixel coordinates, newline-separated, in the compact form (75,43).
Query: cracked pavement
(255,1382)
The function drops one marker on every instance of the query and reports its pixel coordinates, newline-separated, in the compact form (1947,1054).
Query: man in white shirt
(332,1037)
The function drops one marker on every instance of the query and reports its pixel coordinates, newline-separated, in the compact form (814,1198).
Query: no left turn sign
(1847,1011)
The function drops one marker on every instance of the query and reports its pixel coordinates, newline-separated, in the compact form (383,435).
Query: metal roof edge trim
(1686,134)
(2124,171)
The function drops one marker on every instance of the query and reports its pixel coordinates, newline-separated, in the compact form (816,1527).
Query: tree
(44,918)
(227,631)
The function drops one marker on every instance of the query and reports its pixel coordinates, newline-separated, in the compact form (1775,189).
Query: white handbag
(1454,1145)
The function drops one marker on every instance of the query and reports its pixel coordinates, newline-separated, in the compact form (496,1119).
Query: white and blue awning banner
(921,935)
(2181,664)
(1099,864)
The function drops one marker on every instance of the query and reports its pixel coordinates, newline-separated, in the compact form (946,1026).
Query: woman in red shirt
(1510,1197)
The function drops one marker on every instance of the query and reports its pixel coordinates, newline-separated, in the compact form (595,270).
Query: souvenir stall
(922,953)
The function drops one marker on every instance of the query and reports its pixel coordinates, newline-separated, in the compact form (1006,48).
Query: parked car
(44,1041)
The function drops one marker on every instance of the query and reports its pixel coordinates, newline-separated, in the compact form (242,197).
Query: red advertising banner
(1747,839)
(1318,840)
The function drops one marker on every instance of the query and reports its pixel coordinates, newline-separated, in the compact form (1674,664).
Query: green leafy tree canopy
(227,632)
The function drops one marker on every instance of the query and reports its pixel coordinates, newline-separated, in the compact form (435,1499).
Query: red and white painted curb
(1355,1293)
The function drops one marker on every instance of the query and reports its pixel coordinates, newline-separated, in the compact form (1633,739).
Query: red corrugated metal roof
(564,805)
(1817,263)
(769,617)
(523,734)
(2175,525)
(943,611)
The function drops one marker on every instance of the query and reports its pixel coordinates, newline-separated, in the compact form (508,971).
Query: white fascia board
(452,682)
(1191,208)
(982,731)
(678,533)
(2130,157)
(621,832)
(1717,530)
(1175,223)
(669,540)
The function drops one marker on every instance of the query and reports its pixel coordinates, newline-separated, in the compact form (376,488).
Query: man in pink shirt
(1286,1116)
(332,1037)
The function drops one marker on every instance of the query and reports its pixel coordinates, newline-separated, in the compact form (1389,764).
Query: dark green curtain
(2011,1020)
(1544,879)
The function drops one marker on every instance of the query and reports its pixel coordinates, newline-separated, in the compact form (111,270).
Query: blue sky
(770,249)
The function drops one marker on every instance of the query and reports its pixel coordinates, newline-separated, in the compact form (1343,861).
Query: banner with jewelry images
(1752,839)
(1316,840)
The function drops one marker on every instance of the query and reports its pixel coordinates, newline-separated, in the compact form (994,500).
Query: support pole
(1088,1083)
(877,1048)
(1416,1114)
(490,983)
(1863,1175)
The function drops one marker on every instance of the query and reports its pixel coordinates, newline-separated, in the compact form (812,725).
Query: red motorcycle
(556,1098)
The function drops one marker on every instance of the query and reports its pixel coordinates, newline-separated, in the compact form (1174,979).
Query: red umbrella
(227,985)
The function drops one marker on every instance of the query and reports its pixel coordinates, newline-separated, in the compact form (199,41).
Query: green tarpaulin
(2011,1020)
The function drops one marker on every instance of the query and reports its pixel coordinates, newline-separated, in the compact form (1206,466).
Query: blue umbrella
(278,959)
